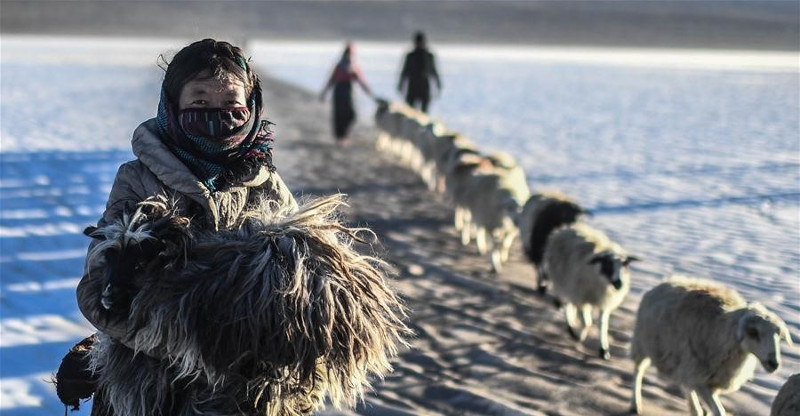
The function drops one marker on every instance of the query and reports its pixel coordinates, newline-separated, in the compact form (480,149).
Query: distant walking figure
(344,73)
(418,67)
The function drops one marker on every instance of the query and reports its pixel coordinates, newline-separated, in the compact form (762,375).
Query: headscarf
(220,164)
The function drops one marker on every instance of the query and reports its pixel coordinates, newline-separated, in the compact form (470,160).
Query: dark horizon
(765,25)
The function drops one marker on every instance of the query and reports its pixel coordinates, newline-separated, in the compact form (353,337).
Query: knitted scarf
(220,164)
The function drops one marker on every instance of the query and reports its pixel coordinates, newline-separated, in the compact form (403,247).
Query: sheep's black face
(610,268)
(125,272)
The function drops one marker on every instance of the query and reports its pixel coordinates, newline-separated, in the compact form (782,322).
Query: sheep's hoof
(634,410)
(557,303)
(576,336)
(542,289)
(604,354)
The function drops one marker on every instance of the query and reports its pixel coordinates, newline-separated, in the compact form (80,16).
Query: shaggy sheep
(787,401)
(268,318)
(587,271)
(513,175)
(541,214)
(492,209)
(493,200)
(705,337)
(463,163)
(438,148)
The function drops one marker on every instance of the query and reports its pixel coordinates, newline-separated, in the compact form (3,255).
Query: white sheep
(588,271)
(541,214)
(493,209)
(513,175)
(787,401)
(704,337)
(462,164)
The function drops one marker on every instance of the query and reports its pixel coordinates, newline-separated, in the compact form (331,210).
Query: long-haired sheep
(787,401)
(588,271)
(494,200)
(705,337)
(463,163)
(541,214)
(493,209)
(269,318)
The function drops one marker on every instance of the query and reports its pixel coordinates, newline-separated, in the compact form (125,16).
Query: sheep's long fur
(493,208)
(787,401)
(704,337)
(541,214)
(571,263)
(269,318)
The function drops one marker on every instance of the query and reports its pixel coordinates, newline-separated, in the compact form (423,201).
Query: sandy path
(486,345)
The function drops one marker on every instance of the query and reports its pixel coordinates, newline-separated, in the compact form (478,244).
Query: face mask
(215,124)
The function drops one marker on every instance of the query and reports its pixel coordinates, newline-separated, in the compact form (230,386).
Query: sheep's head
(760,332)
(613,266)
(154,237)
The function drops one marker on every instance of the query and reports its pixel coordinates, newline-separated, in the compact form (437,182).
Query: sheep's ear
(600,257)
(90,232)
(742,325)
(586,212)
(630,259)
(784,333)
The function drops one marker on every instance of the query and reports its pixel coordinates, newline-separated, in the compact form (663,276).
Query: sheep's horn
(786,335)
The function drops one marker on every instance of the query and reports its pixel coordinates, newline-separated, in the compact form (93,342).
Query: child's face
(212,92)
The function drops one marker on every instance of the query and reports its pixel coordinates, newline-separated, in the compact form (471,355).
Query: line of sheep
(698,333)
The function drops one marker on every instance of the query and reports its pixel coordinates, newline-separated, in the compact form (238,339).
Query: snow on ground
(691,160)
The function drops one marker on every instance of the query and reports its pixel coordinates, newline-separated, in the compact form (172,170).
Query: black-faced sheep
(541,214)
(269,317)
(787,401)
(704,337)
(587,271)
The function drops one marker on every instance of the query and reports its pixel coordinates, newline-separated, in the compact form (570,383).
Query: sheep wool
(268,318)
(787,401)
(588,272)
(541,214)
(705,337)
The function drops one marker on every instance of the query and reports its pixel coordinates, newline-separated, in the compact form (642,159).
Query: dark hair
(216,57)
(419,37)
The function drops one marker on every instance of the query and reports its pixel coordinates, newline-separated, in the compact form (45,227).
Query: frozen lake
(689,159)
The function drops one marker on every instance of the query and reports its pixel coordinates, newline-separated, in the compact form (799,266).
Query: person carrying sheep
(208,152)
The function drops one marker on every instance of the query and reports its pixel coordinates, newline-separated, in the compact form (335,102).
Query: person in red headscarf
(344,73)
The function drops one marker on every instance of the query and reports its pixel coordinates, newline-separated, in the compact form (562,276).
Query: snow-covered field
(690,159)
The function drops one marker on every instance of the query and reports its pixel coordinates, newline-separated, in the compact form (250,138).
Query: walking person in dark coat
(418,68)
(344,73)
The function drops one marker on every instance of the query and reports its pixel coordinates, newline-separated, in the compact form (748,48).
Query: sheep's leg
(586,317)
(497,263)
(459,219)
(480,240)
(466,226)
(604,317)
(694,403)
(440,184)
(638,377)
(541,280)
(506,245)
(571,313)
(712,400)
(497,252)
